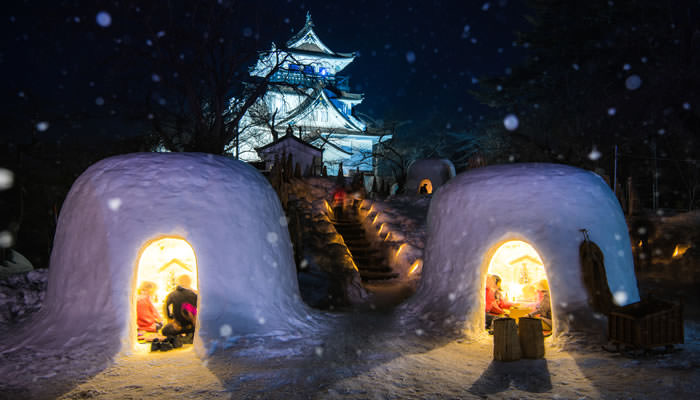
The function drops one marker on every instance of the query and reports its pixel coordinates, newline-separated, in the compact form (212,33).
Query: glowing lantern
(400,248)
(680,250)
(414,266)
(328,207)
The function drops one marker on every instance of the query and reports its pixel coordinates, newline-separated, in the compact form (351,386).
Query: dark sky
(417,59)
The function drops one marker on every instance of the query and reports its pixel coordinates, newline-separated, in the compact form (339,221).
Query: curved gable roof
(307,40)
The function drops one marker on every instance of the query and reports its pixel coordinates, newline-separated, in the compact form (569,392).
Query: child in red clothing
(147,317)
(496,304)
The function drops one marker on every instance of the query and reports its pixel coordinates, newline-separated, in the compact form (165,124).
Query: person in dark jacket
(181,310)
(544,307)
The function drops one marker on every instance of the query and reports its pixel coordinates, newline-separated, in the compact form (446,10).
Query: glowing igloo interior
(428,186)
(521,270)
(162,261)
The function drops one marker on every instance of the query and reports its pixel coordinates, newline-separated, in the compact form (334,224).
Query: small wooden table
(516,312)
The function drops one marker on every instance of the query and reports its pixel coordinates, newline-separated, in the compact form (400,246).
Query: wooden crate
(646,324)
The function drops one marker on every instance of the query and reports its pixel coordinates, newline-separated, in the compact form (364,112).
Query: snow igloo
(428,173)
(515,218)
(152,216)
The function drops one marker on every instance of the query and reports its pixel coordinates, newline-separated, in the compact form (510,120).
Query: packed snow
(358,353)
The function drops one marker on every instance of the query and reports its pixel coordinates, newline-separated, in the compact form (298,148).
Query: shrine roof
(288,137)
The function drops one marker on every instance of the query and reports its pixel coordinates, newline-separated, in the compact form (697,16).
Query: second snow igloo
(524,220)
(429,174)
(155,216)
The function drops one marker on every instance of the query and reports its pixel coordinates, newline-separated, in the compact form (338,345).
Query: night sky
(417,59)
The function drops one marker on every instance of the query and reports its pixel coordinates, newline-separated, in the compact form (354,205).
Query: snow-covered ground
(360,354)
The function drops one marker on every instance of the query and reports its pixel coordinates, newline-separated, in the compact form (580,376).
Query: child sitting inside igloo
(148,320)
(495,301)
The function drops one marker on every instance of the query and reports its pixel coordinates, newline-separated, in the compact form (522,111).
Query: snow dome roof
(223,208)
(544,205)
(438,171)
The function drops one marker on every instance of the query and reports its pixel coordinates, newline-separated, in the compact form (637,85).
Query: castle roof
(306,40)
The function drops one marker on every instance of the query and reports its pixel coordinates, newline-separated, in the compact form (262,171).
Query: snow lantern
(521,222)
(155,216)
(429,174)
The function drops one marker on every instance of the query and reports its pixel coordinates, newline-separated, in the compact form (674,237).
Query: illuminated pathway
(177,374)
(369,261)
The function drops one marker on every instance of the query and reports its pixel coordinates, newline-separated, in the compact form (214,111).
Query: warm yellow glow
(428,185)
(387,236)
(680,250)
(370,209)
(400,248)
(328,207)
(162,262)
(639,244)
(375,219)
(518,265)
(415,266)
(380,229)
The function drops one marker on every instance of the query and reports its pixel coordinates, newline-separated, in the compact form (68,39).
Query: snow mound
(544,205)
(226,211)
(437,171)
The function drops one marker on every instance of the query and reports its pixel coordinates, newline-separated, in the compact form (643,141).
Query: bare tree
(193,60)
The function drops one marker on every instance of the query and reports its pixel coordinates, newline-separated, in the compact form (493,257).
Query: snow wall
(438,171)
(227,212)
(544,205)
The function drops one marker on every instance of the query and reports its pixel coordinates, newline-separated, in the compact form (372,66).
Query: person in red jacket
(496,304)
(338,201)
(147,317)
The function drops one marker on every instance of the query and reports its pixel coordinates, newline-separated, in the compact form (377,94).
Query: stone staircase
(369,261)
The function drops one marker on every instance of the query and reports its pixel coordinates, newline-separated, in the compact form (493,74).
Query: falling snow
(104,19)
(42,126)
(511,122)
(410,57)
(594,154)
(633,82)
(7,178)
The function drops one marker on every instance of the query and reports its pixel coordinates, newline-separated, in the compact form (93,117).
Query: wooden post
(531,337)
(506,344)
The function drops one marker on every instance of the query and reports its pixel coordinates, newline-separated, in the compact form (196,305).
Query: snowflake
(104,19)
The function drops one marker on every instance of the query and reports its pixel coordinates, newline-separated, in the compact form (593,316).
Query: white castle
(306,98)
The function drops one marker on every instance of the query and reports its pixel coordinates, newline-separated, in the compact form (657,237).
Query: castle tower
(307,94)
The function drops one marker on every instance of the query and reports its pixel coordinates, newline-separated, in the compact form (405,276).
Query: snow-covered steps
(369,260)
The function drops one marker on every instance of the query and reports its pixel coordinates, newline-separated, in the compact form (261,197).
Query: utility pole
(615,173)
(655,181)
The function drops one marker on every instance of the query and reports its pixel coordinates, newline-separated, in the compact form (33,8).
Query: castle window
(294,67)
(308,69)
(322,71)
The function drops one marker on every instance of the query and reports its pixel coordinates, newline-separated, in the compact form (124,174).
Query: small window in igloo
(518,283)
(163,264)
(425,187)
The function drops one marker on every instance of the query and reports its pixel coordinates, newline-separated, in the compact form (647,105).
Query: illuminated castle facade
(306,98)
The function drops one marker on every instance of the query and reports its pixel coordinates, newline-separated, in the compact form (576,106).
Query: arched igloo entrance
(425,187)
(545,205)
(161,263)
(522,275)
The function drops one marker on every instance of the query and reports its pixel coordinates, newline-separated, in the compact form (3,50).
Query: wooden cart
(646,324)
